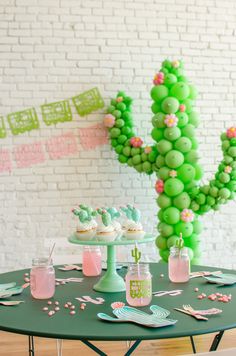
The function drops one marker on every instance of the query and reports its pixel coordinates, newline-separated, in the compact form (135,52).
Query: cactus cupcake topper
(127,212)
(88,209)
(174,158)
(81,214)
(105,215)
(131,213)
(136,254)
(114,213)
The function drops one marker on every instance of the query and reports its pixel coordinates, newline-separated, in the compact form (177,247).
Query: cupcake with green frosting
(86,224)
(105,228)
(132,227)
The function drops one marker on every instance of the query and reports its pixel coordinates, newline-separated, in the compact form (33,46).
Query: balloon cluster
(174,158)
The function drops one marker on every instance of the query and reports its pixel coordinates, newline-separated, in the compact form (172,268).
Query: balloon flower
(173,158)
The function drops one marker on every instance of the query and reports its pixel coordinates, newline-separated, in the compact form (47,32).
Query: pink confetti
(72,307)
(93,136)
(29,155)
(196,289)
(203,295)
(57,309)
(66,305)
(161,275)
(45,309)
(49,302)
(26,279)
(200,296)
(72,312)
(5,161)
(62,146)
(51,313)
(26,274)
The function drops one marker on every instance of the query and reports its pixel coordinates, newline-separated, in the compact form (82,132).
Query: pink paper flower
(228,169)
(182,108)
(171,120)
(231,132)
(119,99)
(159,186)
(109,120)
(175,64)
(187,215)
(136,142)
(172,173)
(147,150)
(158,79)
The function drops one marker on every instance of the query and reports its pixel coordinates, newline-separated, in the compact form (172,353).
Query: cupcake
(114,216)
(133,229)
(86,226)
(105,229)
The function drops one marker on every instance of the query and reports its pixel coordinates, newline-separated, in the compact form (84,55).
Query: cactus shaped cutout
(136,254)
(173,158)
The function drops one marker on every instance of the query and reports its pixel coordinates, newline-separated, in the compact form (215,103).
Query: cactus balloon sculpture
(173,158)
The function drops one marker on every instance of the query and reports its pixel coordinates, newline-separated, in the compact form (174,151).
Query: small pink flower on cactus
(109,120)
(172,173)
(171,120)
(147,150)
(158,79)
(187,215)
(231,132)
(228,169)
(159,186)
(119,99)
(175,64)
(182,108)
(136,142)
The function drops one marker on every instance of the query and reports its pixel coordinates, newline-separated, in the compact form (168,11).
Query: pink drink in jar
(42,279)
(92,261)
(179,266)
(138,285)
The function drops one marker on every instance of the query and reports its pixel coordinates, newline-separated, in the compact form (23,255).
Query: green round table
(29,319)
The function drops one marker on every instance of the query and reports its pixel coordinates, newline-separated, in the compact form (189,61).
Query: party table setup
(177,297)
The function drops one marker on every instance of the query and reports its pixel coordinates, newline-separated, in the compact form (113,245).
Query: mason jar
(138,285)
(179,265)
(42,279)
(92,261)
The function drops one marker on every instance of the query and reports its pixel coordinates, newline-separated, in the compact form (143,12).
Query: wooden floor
(17,345)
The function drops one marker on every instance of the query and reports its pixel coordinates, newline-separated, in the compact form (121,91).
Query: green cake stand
(111,281)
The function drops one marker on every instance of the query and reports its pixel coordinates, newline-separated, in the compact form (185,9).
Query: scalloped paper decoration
(22,121)
(5,161)
(3,132)
(62,146)
(93,136)
(88,101)
(29,154)
(59,111)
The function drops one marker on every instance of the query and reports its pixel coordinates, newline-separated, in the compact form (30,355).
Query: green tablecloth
(28,318)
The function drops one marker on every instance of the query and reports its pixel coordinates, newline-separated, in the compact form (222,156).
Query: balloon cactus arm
(129,147)
(222,188)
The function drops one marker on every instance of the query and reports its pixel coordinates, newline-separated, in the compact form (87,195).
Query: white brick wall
(53,49)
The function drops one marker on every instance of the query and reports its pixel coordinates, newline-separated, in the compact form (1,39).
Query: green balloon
(139,168)
(185,228)
(213,191)
(182,201)
(126,131)
(144,157)
(224,177)
(232,152)
(183,144)
(164,146)
(158,120)
(228,159)
(119,123)
(122,139)
(170,79)
(182,119)
(182,78)
(164,254)
(115,132)
(233,142)
(192,241)
(152,156)
(197,227)
(194,143)
(210,200)
(194,118)
(110,109)
(224,193)
(174,159)
(122,158)
(147,167)
(160,214)
(135,151)
(191,156)
(223,136)
(205,189)
(119,149)
(171,241)
(173,187)
(121,107)
(170,105)
(172,133)
(171,216)
(225,145)
(165,229)
(201,198)
(190,253)
(180,90)
(167,64)
(188,104)
(163,201)
(194,206)
(186,173)
(114,142)
(155,107)
(137,159)
(130,162)
(163,173)
(199,172)
(159,92)
(192,92)
(188,131)
(157,134)
(117,114)
(231,186)
(127,116)
(160,161)
(161,242)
